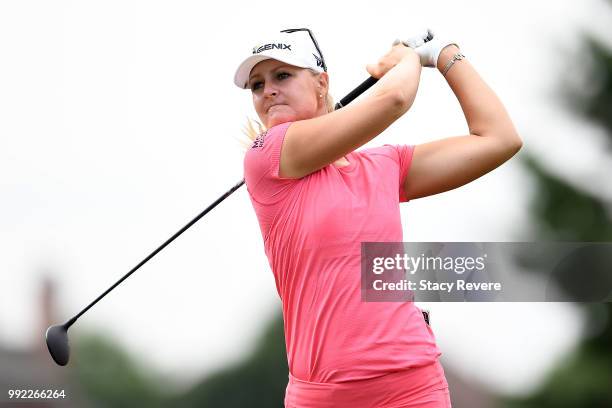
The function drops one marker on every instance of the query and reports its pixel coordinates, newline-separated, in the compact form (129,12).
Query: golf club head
(57,343)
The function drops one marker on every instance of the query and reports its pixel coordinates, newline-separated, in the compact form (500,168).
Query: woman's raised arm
(449,163)
(314,143)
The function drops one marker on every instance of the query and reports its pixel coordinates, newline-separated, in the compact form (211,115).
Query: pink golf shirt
(312,229)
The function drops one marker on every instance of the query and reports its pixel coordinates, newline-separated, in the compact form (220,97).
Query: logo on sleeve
(259,141)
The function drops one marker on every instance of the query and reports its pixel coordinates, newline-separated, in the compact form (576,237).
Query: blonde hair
(254,128)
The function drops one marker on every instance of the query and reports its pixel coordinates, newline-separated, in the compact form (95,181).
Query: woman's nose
(270,90)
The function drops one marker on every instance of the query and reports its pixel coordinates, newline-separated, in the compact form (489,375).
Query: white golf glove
(427,45)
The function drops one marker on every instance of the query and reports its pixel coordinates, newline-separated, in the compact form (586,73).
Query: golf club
(57,336)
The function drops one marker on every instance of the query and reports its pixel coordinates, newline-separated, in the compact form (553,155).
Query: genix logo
(280,46)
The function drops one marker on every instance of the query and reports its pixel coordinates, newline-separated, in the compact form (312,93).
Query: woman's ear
(323,82)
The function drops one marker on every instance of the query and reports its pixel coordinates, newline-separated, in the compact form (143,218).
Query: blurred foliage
(109,377)
(561,212)
(582,380)
(589,92)
(259,381)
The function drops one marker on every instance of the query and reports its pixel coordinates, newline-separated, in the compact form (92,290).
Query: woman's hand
(397,53)
(428,45)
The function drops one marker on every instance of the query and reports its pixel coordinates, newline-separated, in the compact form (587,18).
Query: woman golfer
(317,198)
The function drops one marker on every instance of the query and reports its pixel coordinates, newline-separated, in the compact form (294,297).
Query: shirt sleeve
(402,154)
(262,166)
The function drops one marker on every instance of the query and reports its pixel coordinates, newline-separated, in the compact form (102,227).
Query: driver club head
(57,343)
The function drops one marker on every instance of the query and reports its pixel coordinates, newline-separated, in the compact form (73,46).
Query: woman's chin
(277,119)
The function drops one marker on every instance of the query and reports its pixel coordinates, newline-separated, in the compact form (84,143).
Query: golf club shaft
(343,102)
(364,86)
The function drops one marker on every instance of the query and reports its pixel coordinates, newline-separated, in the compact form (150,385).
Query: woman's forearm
(402,80)
(484,112)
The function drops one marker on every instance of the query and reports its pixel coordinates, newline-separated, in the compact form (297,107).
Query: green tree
(563,212)
(109,377)
(259,381)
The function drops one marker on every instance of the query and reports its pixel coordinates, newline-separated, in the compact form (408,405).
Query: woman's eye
(280,75)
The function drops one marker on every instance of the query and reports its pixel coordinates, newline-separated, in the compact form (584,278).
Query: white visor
(292,48)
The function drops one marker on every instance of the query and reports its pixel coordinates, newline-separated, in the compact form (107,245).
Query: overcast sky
(119,123)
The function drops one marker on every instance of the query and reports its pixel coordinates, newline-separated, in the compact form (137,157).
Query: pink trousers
(420,387)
